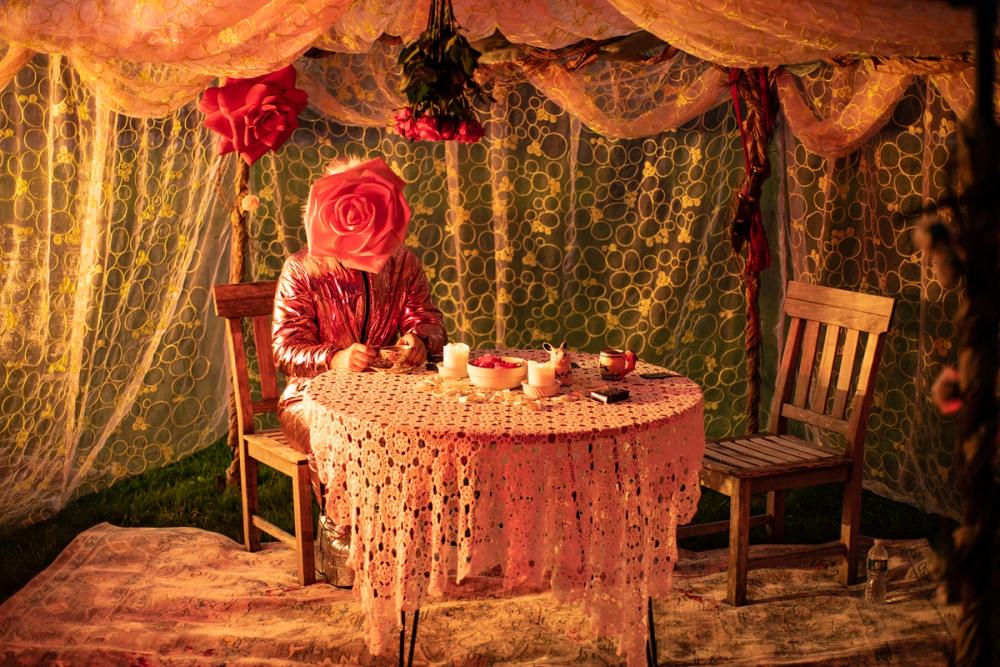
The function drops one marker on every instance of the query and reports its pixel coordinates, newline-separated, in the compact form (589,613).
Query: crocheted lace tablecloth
(584,495)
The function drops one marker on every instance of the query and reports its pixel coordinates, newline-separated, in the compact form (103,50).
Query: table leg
(413,638)
(402,638)
(651,639)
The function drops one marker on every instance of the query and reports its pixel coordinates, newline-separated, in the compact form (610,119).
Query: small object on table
(456,358)
(559,358)
(494,372)
(610,395)
(541,374)
(616,364)
(450,373)
(544,391)
(393,359)
(660,375)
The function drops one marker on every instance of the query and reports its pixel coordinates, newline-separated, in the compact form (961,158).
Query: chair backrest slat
(803,376)
(851,310)
(265,358)
(255,301)
(240,376)
(864,392)
(245,299)
(845,373)
(814,418)
(782,386)
(817,402)
(806,361)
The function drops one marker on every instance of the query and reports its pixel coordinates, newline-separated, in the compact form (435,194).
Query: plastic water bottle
(878,572)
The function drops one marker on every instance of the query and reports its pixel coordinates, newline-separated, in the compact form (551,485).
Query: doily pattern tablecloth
(584,495)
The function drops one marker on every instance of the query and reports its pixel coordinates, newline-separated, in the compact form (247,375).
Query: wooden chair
(256,301)
(774,462)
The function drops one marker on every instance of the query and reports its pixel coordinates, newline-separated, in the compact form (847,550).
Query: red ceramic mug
(616,364)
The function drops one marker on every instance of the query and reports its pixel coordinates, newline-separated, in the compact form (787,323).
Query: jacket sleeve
(295,339)
(420,316)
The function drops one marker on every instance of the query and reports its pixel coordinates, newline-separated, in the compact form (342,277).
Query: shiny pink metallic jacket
(319,309)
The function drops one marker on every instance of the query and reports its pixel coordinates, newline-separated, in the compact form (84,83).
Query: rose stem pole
(756,130)
(978,363)
(752,337)
(237,271)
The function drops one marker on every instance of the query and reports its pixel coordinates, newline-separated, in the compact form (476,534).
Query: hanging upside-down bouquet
(439,84)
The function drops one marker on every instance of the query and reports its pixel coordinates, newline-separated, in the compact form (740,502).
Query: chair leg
(302,498)
(776,514)
(250,501)
(739,542)
(850,526)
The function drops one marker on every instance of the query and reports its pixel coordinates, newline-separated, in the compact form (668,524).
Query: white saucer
(531,391)
(451,373)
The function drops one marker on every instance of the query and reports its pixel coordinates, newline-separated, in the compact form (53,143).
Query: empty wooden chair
(831,392)
(256,302)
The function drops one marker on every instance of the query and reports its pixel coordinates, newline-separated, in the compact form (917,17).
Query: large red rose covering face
(254,116)
(358,215)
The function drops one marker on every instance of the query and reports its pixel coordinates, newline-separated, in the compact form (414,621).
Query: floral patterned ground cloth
(183,596)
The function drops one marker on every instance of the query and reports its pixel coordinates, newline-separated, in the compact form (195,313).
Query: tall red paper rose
(254,116)
(358,215)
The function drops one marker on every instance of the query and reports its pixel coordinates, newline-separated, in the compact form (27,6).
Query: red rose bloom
(427,129)
(448,128)
(254,116)
(469,131)
(405,122)
(358,215)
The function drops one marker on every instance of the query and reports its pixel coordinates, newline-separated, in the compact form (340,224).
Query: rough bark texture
(753,88)
(237,274)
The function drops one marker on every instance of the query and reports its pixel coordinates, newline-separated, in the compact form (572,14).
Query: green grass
(191,492)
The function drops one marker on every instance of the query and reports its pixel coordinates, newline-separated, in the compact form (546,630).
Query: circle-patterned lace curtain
(112,233)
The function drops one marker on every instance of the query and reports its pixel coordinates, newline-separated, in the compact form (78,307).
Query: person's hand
(355,358)
(418,352)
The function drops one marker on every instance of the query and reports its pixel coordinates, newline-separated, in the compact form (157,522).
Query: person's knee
(295,428)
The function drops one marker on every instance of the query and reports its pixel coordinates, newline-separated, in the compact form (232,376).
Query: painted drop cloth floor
(183,596)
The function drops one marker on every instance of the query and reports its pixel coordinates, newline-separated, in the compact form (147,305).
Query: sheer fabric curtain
(846,228)
(109,240)
(596,209)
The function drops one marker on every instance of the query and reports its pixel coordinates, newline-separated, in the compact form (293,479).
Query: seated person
(355,287)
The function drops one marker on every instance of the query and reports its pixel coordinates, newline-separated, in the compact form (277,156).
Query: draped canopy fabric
(595,209)
(751,33)
(149,59)
(247,37)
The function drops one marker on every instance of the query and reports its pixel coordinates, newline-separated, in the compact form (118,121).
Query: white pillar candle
(541,374)
(456,356)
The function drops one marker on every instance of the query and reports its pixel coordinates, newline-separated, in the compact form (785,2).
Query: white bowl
(499,378)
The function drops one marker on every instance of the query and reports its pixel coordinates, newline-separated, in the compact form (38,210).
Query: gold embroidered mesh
(112,233)
(846,229)
(109,362)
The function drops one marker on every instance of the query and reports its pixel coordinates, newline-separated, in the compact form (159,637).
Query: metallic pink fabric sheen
(319,309)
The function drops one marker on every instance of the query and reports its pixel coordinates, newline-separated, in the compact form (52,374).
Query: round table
(582,495)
